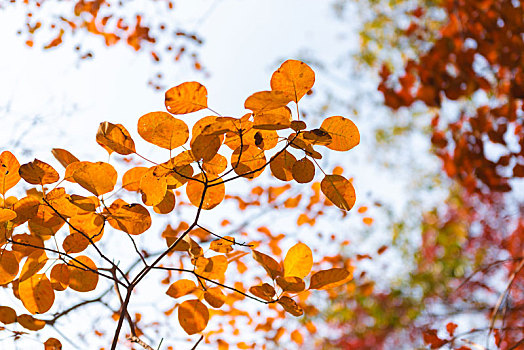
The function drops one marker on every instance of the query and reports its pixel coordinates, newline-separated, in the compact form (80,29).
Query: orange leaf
(294,78)
(248,161)
(98,178)
(298,261)
(282,165)
(272,268)
(163,130)
(290,306)
(82,277)
(331,278)
(64,157)
(29,322)
(34,263)
(152,187)
(25,244)
(213,196)
(265,101)
(186,98)
(8,266)
(223,245)
(167,204)
(180,288)
(344,133)
(60,277)
(130,218)
(213,268)
(215,297)
(38,173)
(339,191)
(264,291)
(303,171)
(116,138)
(7,315)
(276,119)
(52,344)
(291,284)
(6,215)
(132,177)
(36,294)
(216,165)
(9,175)
(193,316)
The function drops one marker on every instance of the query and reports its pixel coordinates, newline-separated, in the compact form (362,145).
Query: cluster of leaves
(51,259)
(71,21)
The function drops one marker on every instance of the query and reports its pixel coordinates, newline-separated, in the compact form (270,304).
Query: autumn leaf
(331,278)
(193,316)
(276,119)
(282,166)
(163,130)
(132,177)
(186,98)
(7,315)
(215,297)
(213,195)
(180,288)
(248,161)
(344,133)
(9,175)
(8,266)
(265,101)
(130,218)
(29,322)
(272,267)
(63,156)
(34,263)
(298,261)
(36,294)
(82,274)
(59,277)
(264,291)
(38,173)
(291,284)
(303,171)
(116,138)
(294,78)
(98,178)
(290,306)
(339,191)
(52,344)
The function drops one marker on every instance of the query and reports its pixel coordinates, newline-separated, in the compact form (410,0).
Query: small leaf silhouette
(7,315)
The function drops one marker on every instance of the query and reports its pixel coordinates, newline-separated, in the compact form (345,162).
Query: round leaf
(163,130)
(344,133)
(36,294)
(38,173)
(82,277)
(193,316)
(98,178)
(213,196)
(339,191)
(186,98)
(9,175)
(298,261)
(294,78)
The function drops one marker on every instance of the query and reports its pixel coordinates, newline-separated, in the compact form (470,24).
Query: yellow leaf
(282,166)
(163,130)
(193,316)
(8,266)
(276,119)
(25,244)
(294,78)
(186,98)
(248,161)
(213,268)
(344,133)
(130,218)
(6,215)
(152,187)
(116,138)
(223,245)
(98,178)
(132,177)
(36,294)
(216,165)
(9,175)
(180,288)
(265,101)
(82,275)
(38,173)
(331,278)
(298,261)
(339,191)
(34,263)
(75,243)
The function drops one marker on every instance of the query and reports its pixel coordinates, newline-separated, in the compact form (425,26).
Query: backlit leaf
(248,161)
(272,267)
(36,294)
(132,177)
(59,277)
(6,215)
(130,218)
(9,175)
(8,266)
(290,306)
(264,291)
(193,316)
(331,278)
(38,173)
(282,166)
(294,78)
(213,196)
(276,119)
(163,130)
(29,322)
(303,171)
(344,133)
(116,138)
(215,297)
(167,204)
(213,268)
(216,165)
(152,187)
(98,178)
(180,288)
(52,344)
(82,275)
(223,245)
(298,261)
(34,263)
(186,98)
(339,191)
(25,244)
(64,157)
(291,284)
(265,101)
